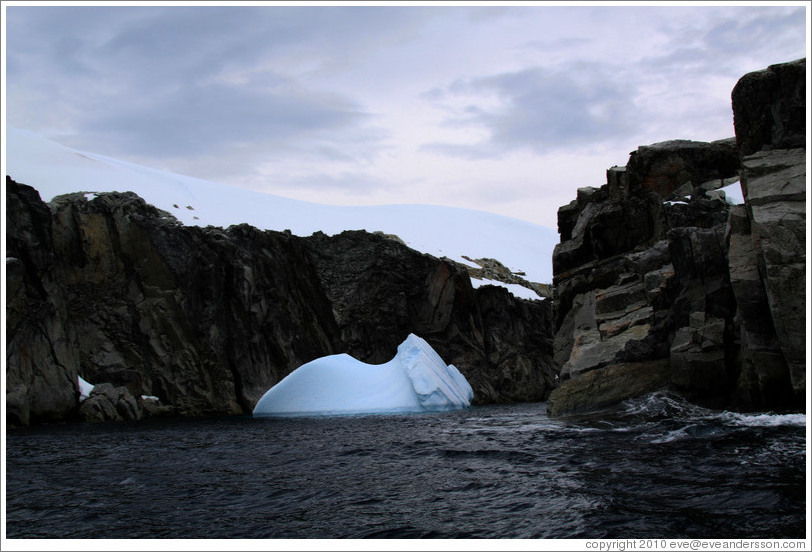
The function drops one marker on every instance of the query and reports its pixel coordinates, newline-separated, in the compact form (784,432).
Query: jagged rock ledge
(492,269)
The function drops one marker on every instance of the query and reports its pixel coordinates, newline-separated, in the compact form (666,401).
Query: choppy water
(657,467)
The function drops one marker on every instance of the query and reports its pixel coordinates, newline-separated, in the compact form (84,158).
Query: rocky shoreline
(659,283)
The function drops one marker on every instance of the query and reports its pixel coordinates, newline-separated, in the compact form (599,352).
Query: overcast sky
(503,109)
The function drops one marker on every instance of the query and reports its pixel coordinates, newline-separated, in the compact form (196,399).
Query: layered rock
(207,319)
(768,235)
(768,273)
(702,297)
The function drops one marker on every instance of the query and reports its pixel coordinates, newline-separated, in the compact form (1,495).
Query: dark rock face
(38,332)
(769,108)
(773,238)
(626,310)
(696,295)
(208,319)
(628,212)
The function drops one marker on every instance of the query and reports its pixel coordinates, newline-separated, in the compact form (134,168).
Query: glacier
(415,380)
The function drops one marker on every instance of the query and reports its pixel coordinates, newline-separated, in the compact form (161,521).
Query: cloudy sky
(503,109)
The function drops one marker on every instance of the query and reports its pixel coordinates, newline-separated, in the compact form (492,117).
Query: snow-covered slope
(441,231)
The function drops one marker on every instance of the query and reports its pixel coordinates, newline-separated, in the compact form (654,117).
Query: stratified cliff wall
(661,284)
(207,319)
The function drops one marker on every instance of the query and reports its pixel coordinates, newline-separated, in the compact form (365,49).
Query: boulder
(98,409)
(666,166)
(108,403)
(608,386)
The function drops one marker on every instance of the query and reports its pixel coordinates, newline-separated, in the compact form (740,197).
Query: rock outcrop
(660,283)
(769,108)
(492,269)
(207,319)
(108,403)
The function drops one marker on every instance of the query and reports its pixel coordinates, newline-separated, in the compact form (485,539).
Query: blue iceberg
(415,380)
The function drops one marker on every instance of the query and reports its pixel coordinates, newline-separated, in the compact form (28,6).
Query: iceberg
(415,380)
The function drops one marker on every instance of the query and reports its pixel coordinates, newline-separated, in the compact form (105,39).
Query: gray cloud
(541,109)
(761,29)
(200,119)
(171,82)
(722,45)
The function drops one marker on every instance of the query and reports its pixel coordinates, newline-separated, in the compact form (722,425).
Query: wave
(664,418)
(662,405)
(762,420)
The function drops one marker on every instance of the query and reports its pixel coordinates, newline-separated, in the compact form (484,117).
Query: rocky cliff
(659,283)
(206,320)
(662,284)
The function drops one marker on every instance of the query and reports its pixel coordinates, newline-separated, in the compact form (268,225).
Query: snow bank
(415,380)
(733,193)
(515,289)
(84,389)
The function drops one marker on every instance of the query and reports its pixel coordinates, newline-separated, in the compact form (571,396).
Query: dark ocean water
(657,467)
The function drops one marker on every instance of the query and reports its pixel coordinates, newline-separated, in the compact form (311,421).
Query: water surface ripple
(656,468)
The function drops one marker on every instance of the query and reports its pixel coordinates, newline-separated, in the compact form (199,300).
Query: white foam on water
(763,420)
